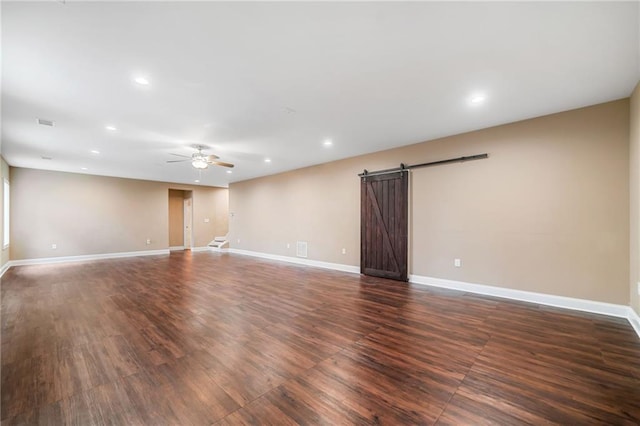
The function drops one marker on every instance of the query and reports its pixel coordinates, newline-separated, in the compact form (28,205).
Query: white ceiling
(258,80)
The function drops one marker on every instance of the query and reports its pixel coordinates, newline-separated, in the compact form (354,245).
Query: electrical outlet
(206,220)
(238,240)
(639,288)
(457,263)
(54,246)
(344,251)
(288,245)
(148,241)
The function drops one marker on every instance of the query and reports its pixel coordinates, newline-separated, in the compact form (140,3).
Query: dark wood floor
(223,339)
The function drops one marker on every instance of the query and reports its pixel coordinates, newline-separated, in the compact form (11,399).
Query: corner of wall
(4,252)
(634,199)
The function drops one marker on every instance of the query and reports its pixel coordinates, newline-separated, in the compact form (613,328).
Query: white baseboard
(5,268)
(182,248)
(65,259)
(205,248)
(634,320)
(299,261)
(219,249)
(611,309)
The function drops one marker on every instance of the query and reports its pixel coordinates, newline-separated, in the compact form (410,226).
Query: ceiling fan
(199,160)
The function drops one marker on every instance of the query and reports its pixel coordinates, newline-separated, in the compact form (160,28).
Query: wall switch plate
(288,245)
(457,263)
(639,288)
(148,241)
(54,246)
(238,240)
(344,251)
(206,220)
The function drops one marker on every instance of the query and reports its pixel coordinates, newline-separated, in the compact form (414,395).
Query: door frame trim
(188,220)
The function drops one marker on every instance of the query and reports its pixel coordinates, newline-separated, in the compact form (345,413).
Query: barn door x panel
(383,225)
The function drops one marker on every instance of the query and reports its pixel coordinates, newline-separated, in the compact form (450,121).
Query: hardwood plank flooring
(210,338)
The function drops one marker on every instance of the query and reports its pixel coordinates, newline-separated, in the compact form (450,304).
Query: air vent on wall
(301,249)
(44,122)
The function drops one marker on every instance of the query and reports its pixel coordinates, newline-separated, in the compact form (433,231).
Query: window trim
(6,209)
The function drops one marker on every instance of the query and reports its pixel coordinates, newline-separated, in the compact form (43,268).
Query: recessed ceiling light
(143,81)
(229,171)
(83,168)
(43,122)
(327,142)
(95,151)
(112,128)
(196,181)
(267,160)
(477,99)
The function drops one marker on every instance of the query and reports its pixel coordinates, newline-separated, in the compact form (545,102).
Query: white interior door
(188,208)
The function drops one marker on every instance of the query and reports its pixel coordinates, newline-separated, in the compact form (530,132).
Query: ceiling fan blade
(221,163)
(176,161)
(212,157)
(180,155)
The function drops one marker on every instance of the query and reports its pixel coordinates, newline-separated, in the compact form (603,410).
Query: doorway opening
(180,219)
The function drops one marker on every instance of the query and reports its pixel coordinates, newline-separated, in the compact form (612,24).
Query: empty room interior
(221,213)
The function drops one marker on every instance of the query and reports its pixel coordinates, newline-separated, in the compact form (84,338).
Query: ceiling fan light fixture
(199,163)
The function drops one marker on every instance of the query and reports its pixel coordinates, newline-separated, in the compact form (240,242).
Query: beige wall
(4,174)
(86,214)
(219,201)
(634,197)
(547,212)
(176,218)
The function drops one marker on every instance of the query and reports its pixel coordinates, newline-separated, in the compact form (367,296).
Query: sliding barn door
(383,225)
